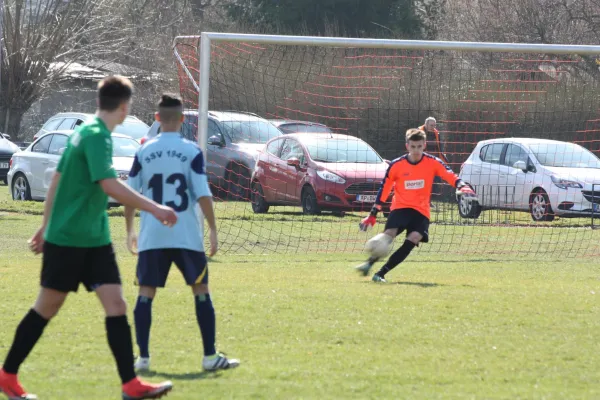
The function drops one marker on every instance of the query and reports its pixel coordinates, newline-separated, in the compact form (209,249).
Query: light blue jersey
(170,170)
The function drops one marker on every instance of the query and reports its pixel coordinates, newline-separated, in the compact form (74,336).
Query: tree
(42,38)
(350,17)
(526,21)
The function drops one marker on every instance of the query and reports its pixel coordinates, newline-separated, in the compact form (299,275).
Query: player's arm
(202,192)
(98,152)
(446,173)
(382,195)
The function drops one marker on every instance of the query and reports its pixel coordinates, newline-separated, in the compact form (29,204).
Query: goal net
(521,123)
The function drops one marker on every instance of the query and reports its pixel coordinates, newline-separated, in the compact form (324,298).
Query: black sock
(205,315)
(28,333)
(118,333)
(396,258)
(143,320)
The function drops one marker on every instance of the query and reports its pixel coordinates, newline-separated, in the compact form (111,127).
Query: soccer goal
(298,133)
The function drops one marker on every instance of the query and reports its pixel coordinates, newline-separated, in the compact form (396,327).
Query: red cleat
(136,389)
(10,386)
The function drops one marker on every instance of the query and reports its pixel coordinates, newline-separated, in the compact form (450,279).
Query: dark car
(317,171)
(234,140)
(7,149)
(294,126)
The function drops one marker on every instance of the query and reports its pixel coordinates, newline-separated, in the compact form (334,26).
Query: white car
(31,169)
(132,126)
(544,177)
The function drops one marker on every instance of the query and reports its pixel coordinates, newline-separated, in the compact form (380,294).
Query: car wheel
(309,202)
(468,209)
(259,205)
(239,183)
(20,188)
(539,206)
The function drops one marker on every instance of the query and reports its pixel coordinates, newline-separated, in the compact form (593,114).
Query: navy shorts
(153,266)
(65,267)
(409,220)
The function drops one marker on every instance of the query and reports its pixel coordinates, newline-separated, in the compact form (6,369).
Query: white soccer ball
(379,245)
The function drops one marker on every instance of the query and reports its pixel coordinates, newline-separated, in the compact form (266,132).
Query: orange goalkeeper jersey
(412,183)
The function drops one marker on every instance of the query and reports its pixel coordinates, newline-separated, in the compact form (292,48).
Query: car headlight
(565,183)
(331,177)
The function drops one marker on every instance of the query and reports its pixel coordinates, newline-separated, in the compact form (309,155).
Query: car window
(273,147)
(568,155)
(341,151)
(250,131)
(189,129)
(290,149)
(133,129)
(493,154)
(124,147)
(482,152)
(513,154)
(213,129)
(66,124)
(58,142)
(42,145)
(52,124)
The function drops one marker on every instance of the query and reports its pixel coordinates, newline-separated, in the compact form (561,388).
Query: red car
(319,171)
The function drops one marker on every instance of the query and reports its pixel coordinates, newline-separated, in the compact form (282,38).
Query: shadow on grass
(419,284)
(189,376)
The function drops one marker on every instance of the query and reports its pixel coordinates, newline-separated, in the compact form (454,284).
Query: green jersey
(78,217)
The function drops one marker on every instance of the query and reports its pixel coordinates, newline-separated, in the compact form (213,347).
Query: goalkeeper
(411,177)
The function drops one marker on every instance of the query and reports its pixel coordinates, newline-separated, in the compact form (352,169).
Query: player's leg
(60,266)
(152,271)
(142,314)
(365,267)
(103,277)
(194,268)
(393,227)
(417,226)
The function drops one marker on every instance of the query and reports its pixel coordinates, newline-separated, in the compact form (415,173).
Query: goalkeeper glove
(370,221)
(465,189)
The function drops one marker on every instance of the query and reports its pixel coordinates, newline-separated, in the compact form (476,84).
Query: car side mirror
(521,165)
(294,162)
(388,162)
(215,141)
(61,151)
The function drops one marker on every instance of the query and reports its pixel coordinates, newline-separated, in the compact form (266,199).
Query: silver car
(234,141)
(31,170)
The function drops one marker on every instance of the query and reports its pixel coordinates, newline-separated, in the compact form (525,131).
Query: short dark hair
(170,108)
(415,135)
(114,91)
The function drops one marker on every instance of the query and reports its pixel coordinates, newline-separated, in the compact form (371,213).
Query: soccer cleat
(142,363)
(379,279)
(137,389)
(10,386)
(365,267)
(219,361)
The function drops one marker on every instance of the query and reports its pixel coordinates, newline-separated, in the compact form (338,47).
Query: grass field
(487,326)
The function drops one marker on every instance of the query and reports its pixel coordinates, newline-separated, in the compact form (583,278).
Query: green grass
(492,325)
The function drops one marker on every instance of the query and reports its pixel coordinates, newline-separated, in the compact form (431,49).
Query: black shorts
(409,220)
(65,267)
(153,266)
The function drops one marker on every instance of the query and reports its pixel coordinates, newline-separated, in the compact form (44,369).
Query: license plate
(4,165)
(366,198)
